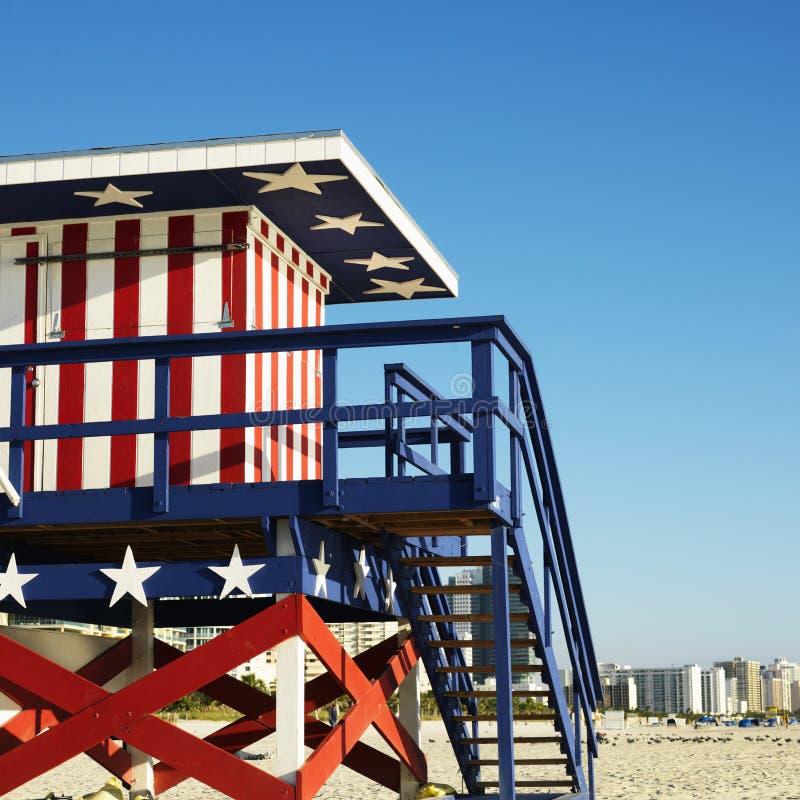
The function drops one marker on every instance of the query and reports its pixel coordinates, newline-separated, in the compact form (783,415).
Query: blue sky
(621,180)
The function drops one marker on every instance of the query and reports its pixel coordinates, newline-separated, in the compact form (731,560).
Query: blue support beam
(502,656)
(330,431)
(483,437)
(16,450)
(161,440)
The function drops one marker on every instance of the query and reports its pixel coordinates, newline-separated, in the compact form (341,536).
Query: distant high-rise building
(464,604)
(787,672)
(794,694)
(172,636)
(772,692)
(733,703)
(714,691)
(620,693)
(482,604)
(669,690)
(748,677)
(619,688)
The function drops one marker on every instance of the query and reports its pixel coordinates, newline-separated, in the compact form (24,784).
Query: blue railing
(465,424)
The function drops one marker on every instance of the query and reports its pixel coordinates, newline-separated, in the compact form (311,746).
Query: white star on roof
(129,579)
(294,178)
(406,289)
(346,224)
(11,582)
(380,261)
(362,571)
(390,586)
(236,574)
(113,195)
(321,568)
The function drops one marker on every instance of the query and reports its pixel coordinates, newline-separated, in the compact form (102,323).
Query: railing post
(330,431)
(388,425)
(483,437)
(576,711)
(502,660)
(434,439)
(547,565)
(16,449)
(514,448)
(161,440)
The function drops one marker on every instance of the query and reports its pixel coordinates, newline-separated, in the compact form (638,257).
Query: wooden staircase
(470,694)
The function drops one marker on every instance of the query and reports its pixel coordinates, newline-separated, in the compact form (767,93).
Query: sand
(718,763)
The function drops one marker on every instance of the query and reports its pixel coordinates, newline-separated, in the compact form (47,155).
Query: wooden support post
(290,683)
(142,633)
(410,720)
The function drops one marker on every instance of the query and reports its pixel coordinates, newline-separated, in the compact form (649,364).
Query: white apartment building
(780,695)
(669,690)
(714,691)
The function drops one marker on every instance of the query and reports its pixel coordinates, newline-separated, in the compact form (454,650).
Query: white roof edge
(189,143)
(390,205)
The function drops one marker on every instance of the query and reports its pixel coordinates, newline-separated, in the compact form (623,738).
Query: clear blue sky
(622,180)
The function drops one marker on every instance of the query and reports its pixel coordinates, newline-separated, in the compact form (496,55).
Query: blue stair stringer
(529,594)
(434,657)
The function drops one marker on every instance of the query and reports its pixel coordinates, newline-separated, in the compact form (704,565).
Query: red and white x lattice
(82,716)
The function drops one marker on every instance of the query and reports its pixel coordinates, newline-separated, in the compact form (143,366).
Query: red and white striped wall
(271,284)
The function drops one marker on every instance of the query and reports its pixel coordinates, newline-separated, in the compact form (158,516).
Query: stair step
(539,783)
(450,561)
(467,588)
(493,717)
(522,762)
(490,693)
(469,740)
(517,616)
(489,669)
(466,644)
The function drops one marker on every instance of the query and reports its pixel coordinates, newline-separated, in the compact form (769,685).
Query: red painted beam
(370,706)
(98,715)
(260,721)
(100,670)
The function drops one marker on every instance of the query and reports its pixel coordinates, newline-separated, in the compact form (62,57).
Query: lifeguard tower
(172,417)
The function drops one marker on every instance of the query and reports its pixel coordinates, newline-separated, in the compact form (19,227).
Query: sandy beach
(719,763)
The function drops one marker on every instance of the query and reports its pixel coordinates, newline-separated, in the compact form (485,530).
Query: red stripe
(124,391)
(180,304)
(258,455)
(318,385)
(23,231)
(289,300)
(280,242)
(273,431)
(69,470)
(304,386)
(233,396)
(296,256)
(31,317)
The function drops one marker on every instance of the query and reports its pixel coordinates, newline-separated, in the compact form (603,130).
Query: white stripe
(12,325)
(206,372)
(280,387)
(152,322)
(50,386)
(250,368)
(98,377)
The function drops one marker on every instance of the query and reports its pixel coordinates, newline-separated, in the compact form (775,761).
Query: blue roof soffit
(316,187)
